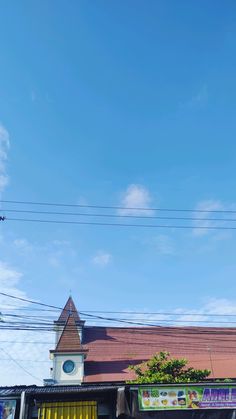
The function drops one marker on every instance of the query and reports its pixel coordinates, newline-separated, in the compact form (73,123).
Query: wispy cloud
(198,99)
(9,279)
(136,196)
(213,306)
(55,261)
(23,245)
(33,365)
(220,306)
(203,316)
(102,258)
(4,147)
(16,368)
(204,218)
(61,243)
(164,244)
(33,96)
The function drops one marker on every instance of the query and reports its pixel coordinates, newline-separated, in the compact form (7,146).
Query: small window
(68,366)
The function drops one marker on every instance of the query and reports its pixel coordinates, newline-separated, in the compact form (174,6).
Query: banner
(187,397)
(7,409)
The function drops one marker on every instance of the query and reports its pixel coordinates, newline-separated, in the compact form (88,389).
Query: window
(68,366)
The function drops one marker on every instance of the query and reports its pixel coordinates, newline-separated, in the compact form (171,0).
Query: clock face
(68,366)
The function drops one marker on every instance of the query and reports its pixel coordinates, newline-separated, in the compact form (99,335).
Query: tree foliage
(161,368)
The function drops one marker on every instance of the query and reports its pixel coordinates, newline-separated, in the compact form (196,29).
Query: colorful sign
(7,409)
(192,397)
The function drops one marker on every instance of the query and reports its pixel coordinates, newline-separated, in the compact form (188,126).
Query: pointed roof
(68,310)
(70,339)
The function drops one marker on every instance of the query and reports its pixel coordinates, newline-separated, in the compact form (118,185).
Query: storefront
(198,401)
(190,401)
(59,402)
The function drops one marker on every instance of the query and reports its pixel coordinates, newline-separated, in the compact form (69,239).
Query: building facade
(91,354)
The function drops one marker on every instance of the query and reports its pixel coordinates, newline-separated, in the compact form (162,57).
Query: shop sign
(187,397)
(7,409)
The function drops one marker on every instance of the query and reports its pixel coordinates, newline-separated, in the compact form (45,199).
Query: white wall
(76,376)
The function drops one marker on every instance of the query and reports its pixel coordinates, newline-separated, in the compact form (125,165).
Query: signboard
(7,409)
(187,397)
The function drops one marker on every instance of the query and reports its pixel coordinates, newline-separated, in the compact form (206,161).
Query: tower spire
(69,309)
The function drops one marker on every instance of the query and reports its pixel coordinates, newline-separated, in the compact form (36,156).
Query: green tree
(161,368)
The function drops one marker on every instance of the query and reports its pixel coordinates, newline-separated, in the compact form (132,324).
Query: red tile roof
(111,350)
(67,310)
(70,339)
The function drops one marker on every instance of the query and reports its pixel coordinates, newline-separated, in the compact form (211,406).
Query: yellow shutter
(68,410)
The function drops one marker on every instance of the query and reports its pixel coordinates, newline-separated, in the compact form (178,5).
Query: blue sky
(119,103)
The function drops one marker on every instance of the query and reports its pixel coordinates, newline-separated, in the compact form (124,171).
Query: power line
(133,323)
(39,321)
(160,313)
(122,224)
(81,214)
(33,342)
(86,314)
(117,207)
(158,327)
(193,345)
(29,301)
(19,365)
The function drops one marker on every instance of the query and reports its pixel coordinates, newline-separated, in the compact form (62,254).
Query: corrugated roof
(17,390)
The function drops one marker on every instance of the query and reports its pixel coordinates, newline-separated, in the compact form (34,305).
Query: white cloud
(61,243)
(9,279)
(22,245)
(213,306)
(203,316)
(164,244)
(102,258)
(4,147)
(221,306)
(136,196)
(82,201)
(199,98)
(201,226)
(54,261)
(33,96)
(30,349)
(20,361)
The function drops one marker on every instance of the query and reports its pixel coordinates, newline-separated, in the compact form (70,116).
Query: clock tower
(69,354)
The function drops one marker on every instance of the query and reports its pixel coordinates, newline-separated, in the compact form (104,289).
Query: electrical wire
(160,313)
(174,226)
(45,320)
(19,365)
(5,210)
(117,207)
(82,313)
